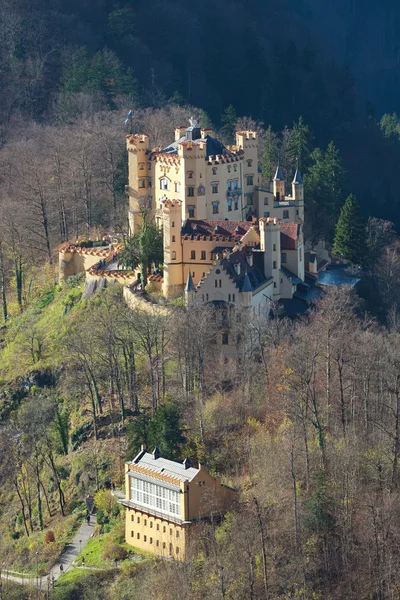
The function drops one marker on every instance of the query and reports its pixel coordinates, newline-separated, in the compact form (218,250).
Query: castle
(227,239)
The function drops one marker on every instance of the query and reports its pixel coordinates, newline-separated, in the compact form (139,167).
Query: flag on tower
(128,117)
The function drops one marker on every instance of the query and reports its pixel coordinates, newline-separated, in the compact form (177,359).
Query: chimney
(156,453)
(186,463)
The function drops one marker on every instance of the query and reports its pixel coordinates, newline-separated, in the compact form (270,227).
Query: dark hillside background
(336,63)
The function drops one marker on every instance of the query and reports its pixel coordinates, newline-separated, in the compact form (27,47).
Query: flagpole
(131,121)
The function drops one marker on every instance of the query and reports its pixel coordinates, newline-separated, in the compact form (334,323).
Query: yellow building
(166,499)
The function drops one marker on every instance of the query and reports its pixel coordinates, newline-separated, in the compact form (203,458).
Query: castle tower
(279,185)
(270,244)
(172,223)
(192,159)
(247,141)
(297,187)
(140,180)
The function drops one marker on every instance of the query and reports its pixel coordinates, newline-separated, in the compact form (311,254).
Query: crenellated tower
(140,179)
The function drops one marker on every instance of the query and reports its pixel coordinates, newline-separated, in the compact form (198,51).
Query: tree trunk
(3,286)
(263,549)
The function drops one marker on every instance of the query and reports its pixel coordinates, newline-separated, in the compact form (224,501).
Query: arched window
(141,166)
(229,168)
(249,162)
(164,183)
(214,170)
(235,167)
(190,174)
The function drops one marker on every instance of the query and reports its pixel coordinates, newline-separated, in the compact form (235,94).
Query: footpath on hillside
(65,561)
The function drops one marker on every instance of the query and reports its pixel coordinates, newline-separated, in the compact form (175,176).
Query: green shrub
(114,552)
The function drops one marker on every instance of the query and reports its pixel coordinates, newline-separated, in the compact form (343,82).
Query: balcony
(234,192)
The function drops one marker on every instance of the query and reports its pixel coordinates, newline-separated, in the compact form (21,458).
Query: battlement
(137,141)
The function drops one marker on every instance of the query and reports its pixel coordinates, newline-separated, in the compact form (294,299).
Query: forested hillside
(305,422)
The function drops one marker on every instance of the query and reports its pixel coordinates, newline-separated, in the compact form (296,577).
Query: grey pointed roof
(189,284)
(246,287)
(298,178)
(279,175)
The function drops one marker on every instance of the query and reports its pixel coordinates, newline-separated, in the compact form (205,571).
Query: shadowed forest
(305,421)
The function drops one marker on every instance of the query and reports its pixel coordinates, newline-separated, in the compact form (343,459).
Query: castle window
(249,179)
(235,203)
(233,297)
(164,545)
(164,529)
(220,283)
(235,184)
(157,543)
(190,174)
(266,214)
(203,255)
(164,183)
(193,274)
(190,192)
(229,205)
(177,533)
(173,255)
(138,519)
(250,200)
(203,275)
(285,214)
(132,518)
(225,339)
(177,550)
(284,257)
(274,247)
(216,283)
(145,522)
(158,527)
(214,170)
(249,162)
(214,187)
(297,212)
(206,297)
(149,165)
(132,534)
(141,166)
(170,532)
(229,168)
(173,224)
(265,201)
(151,524)
(235,167)
(215,208)
(301,254)
(173,238)
(142,183)
(177,187)
(171,549)
(274,264)
(151,540)
(191,211)
(193,254)
(274,284)
(149,182)
(229,185)
(138,536)
(145,538)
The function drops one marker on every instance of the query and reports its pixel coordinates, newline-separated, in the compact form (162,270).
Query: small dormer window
(214,170)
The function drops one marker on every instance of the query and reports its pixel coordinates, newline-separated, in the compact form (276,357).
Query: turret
(140,173)
(246,291)
(297,187)
(172,221)
(279,184)
(190,290)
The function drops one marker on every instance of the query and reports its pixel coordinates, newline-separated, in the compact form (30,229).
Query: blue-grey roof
(246,287)
(189,284)
(213,146)
(279,174)
(293,278)
(338,275)
(298,178)
(163,466)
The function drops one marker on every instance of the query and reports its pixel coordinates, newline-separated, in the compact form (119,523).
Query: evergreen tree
(270,155)
(144,248)
(390,126)
(228,120)
(299,145)
(350,235)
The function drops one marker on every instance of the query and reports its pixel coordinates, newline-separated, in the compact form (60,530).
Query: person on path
(88,519)
(61,569)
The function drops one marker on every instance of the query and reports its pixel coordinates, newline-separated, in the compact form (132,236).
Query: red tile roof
(289,235)
(231,230)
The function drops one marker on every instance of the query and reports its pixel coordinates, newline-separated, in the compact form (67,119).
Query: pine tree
(350,236)
(228,120)
(270,155)
(299,146)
